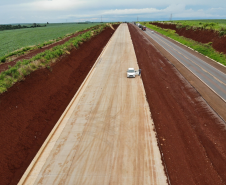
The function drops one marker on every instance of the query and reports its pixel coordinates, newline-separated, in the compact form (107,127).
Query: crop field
(11,40)
(22,68)
(214,24)
(57,85)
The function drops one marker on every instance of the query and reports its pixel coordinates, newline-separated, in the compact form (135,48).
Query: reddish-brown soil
(200,35)
(191,135)
(30,109)
(32,53)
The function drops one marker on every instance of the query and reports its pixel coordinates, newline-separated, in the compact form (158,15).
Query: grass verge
(218,26)
(23,68)
(205,49)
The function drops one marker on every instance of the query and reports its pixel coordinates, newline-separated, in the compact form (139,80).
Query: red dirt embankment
(31,54)
(30,109)
(199,35)
(191,135)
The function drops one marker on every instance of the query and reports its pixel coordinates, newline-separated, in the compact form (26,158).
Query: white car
(152,32)
(131,73)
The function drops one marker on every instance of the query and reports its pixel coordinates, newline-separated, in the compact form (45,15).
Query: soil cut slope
(191,135)
(31,108)
(203,36)
(4,66)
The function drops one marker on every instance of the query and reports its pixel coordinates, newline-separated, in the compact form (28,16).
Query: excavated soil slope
(4,66)
(203,36)
(191,135)
(31,108)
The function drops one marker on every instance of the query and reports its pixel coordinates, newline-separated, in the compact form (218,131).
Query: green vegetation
(26,39)
(213,24)
(44,59)
(205,49)
(13,27)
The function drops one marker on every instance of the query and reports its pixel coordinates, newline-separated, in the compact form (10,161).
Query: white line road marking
(221,82)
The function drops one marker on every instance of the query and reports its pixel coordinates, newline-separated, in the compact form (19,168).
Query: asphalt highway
(212,77)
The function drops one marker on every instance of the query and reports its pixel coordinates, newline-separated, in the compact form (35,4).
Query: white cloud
(17,11)
(131,11)
(172,8)
(56,5)
(178,10)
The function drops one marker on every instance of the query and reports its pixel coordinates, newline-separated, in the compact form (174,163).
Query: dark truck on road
(143,28)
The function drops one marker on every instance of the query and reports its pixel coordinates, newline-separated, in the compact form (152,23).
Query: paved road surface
(106,137)
(214,78)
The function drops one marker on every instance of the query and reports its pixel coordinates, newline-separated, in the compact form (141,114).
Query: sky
(54,11)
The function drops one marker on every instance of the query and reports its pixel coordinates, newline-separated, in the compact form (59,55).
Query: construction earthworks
(154,129)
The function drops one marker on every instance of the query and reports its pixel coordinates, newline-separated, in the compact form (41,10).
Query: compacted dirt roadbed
(191,135)
(106,136)
(30,109)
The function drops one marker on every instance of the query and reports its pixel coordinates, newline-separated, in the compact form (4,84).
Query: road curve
(106,136)
(211,76)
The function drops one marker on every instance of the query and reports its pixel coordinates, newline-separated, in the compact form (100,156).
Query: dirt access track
(191,135)
(30,109)
(106,135)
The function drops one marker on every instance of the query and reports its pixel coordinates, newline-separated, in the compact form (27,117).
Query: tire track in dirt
(30,109)
(191,135)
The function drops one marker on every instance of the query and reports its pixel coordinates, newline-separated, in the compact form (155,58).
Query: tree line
(12,27)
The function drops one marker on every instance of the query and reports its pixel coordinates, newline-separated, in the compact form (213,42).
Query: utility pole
(171,16)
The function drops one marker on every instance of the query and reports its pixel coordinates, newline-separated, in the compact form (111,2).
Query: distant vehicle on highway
(152,32)
(131,73)
(143,28)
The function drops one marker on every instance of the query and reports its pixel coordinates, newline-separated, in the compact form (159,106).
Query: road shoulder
(210,97)
(211,62)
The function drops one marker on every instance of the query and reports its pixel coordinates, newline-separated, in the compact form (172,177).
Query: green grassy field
(214,24)
(22,68)
(11,40)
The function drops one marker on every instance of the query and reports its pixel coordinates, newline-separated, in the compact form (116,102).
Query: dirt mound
(203,36)
(30,109)
(191,135)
